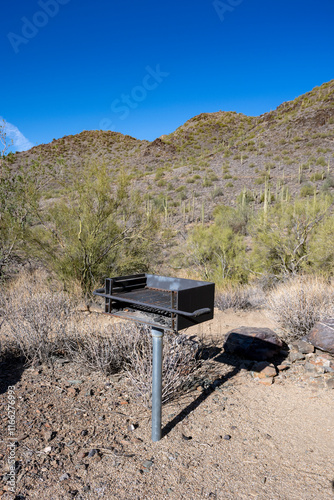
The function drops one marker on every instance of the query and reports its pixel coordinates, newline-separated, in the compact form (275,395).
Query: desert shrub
(307,190)
(36,319)
(127,347)
(178,365)
(101,347)
(218,252)
(285,237)
(299,303)
(239,297)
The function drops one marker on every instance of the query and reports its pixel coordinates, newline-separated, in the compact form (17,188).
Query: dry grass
(99,346)
(35,318)
(298,304)
(238,297)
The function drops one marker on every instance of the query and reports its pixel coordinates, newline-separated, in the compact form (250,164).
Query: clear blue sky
(145,67)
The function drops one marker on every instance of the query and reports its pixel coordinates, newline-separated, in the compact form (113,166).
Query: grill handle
(199,312)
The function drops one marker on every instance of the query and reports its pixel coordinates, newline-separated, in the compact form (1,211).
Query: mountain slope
(214,156)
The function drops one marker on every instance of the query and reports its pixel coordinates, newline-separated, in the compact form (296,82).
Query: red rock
(283,367)
(264,369)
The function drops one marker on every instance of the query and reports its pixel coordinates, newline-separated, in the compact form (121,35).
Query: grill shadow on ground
(238,361)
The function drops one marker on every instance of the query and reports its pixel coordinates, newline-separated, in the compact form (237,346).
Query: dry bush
(299,303)
(179,363)
(125,346)
(35,318)
(101,347)
(239,297)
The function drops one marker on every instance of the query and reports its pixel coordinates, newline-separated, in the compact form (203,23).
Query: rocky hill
(213,157)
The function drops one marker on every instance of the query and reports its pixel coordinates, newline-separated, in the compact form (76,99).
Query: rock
(264,369)
(296,356)
(92,452)
(64,477)
(72,391)
(49,435)
(148,464)
(283,367)
(186,438)
(330,383)
(322,335)
(309,367)
(303,347)
(227,437)
(253,343)
(47,449)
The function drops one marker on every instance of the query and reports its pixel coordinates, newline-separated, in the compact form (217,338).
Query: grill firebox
(159,301)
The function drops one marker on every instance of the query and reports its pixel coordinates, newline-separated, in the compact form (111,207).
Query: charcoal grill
(164,303)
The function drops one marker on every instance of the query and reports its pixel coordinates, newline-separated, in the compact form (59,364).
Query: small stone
(296,356)
(47,449)
(64,477)
(75,382)
(227,437)
(92,452)
(148,464)
(186,438)
(49,435)
(84,432)
(330,383)
(283,367)
(82,455)
(81,467)
(72,391)
(309,367)
(264,369)
(303,347)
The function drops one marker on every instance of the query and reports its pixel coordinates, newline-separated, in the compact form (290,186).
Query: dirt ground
(85,436)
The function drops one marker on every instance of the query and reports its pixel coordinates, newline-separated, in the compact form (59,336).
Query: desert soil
(86,436)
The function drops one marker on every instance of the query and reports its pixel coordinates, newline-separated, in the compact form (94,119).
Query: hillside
(214,156)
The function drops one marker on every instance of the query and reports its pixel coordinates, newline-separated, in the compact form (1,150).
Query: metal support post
(157,338)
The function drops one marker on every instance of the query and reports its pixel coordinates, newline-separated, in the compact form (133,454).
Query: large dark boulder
(322,335)
(253,343)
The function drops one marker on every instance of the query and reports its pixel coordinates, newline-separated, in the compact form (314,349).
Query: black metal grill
(159,301)
(164,304)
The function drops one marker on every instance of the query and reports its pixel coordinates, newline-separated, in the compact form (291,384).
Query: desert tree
(95,228)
